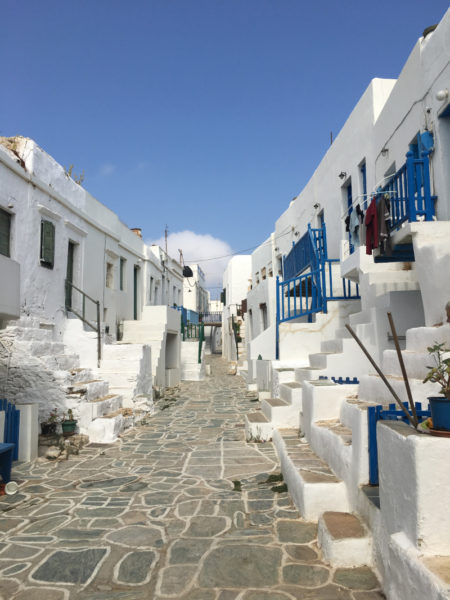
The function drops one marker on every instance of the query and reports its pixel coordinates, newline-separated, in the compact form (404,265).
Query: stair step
(257,427)
(318,360)
(313,486)
(106,430)
(344,540)
(335,427)
(89,390)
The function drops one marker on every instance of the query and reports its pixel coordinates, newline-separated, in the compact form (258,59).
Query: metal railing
(201,339)
(69,307)
(12,426)
(409,193)
(306,293)
(210,317)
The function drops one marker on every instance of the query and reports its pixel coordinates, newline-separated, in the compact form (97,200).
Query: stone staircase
(128,369)
(41,371)
(154,329)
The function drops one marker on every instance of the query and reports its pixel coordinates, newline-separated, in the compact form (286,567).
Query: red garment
(371,222)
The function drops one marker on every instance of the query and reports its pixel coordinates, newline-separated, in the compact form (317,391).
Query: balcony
(10,296)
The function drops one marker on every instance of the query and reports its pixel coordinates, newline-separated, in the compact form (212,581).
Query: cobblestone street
(180,508)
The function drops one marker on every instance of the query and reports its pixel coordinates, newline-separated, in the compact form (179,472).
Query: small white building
(235,285)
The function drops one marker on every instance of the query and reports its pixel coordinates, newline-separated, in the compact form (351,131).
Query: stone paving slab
(178,508)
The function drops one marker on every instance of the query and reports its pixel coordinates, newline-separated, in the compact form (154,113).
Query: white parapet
(415,486)
(105,430)
(28,432)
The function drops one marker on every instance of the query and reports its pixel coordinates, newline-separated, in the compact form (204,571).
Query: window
(5,228)
(263,272)
(363,182)
(263,309)
(47,244)
(122,274)
(109,275)
(150,290)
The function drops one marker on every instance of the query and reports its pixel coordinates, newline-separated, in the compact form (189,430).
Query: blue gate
(392,413)
(12,424)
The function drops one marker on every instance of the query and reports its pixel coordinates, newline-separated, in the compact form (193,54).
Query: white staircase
(191,369)
(41,371)
(154,329)
(128,369)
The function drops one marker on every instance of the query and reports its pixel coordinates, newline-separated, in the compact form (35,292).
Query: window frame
(48,242)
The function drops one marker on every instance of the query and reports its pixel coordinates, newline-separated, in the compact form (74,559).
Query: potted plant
(440,373)
(48,427)
(68,424)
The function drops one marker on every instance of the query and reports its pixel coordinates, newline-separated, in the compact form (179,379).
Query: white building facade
(391,160)
(79,279)
(236,280)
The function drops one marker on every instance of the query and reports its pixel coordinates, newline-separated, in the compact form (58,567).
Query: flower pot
(440,412)
(48,428)
(68,427)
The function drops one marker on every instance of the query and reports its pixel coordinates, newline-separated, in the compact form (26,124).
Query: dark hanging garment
(187,271)
(371,227)
(384,214)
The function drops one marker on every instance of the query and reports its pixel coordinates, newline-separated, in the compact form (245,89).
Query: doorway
(69,273)
(135,292)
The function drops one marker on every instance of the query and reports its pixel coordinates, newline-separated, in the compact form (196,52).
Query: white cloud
(195,247)
(107,169)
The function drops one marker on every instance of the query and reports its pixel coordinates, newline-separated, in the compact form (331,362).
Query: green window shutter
(5,227)
(47,244)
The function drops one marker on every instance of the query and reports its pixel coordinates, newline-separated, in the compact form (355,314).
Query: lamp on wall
(384,151)
(442,95)
(342,174)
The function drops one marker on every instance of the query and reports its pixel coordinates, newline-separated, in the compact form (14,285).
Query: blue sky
(205,115)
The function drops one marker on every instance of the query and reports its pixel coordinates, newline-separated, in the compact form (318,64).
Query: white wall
(10,294)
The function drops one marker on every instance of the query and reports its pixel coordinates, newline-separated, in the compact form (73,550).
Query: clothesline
(362,197)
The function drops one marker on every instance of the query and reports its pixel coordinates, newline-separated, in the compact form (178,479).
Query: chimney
(137,231)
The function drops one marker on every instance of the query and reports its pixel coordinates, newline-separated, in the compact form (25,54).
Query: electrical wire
(242,251)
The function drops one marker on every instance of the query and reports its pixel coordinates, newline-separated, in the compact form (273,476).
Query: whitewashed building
(320,398)
(86,280)
(236,280)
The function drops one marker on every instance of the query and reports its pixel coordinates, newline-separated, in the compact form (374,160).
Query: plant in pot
(440,373)
(48,427)
(68,424)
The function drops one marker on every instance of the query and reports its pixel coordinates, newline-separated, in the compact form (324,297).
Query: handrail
(69,287)
(201,339)
(235,326)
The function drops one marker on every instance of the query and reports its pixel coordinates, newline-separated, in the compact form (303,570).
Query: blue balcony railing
(409,193)
(308,280)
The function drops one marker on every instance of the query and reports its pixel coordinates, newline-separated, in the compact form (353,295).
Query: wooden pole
(402,367)
(380,373)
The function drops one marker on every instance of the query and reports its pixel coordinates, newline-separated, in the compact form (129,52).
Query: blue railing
(303,294)
(305,253)
(392,413)
(188,316)
(410,192)
(12,425)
